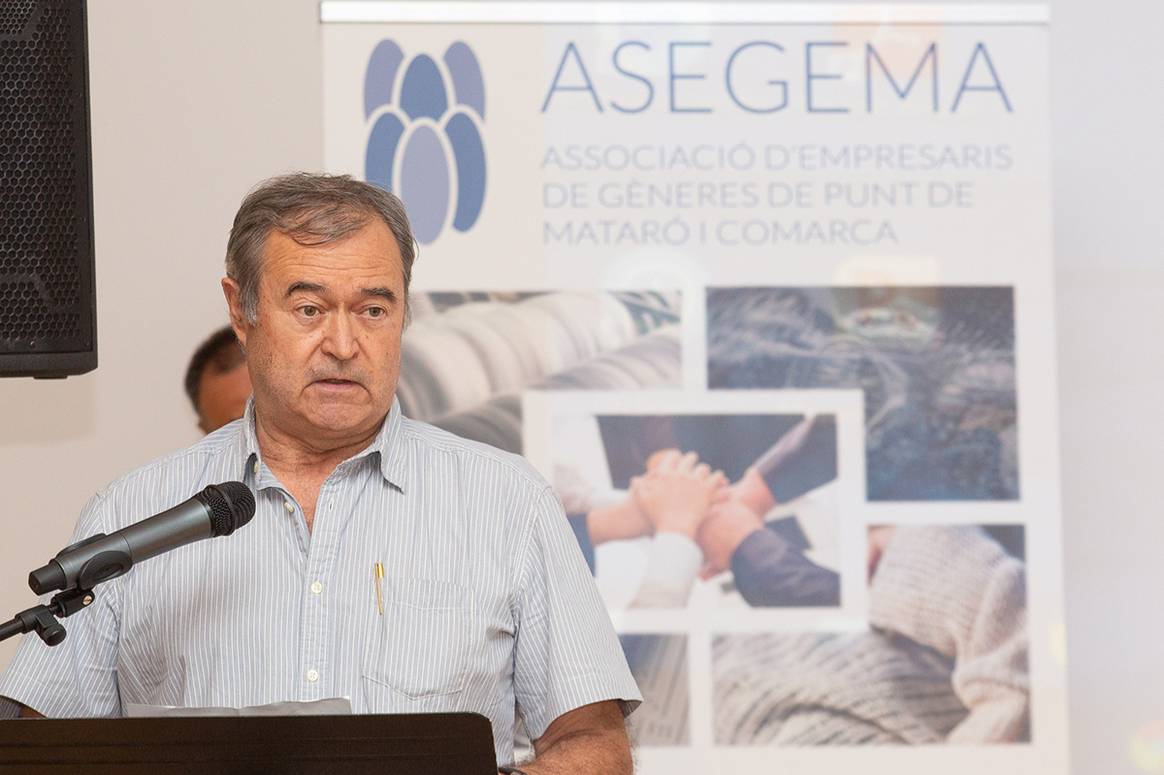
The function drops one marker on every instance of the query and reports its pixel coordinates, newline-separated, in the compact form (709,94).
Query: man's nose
(339,339)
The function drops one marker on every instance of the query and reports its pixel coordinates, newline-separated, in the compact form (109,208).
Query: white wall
(193,102)
(1107,74)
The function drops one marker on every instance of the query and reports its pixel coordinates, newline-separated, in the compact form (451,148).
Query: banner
(804,246)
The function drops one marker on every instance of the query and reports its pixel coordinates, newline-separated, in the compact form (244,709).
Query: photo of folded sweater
(945,659)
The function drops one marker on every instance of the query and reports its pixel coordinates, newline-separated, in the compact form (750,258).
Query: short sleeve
(77,678)
(566,653)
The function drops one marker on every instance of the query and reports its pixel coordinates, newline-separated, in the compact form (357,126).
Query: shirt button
(290,508)
(313,675)
(256,468)
(316,587)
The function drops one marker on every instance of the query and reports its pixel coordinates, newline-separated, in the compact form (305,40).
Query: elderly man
(388,561)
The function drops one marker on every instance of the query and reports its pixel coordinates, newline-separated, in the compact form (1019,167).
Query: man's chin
(338,415)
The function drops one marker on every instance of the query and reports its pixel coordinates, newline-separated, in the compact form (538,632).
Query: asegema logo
(421,147)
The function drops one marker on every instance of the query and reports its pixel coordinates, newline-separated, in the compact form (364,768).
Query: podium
(432,744)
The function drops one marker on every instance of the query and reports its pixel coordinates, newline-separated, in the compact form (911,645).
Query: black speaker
(48,310)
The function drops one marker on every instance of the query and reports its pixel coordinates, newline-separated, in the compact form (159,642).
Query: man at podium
(388,561)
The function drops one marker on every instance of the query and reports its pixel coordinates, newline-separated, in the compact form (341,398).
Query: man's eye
(376,312)
(309,311)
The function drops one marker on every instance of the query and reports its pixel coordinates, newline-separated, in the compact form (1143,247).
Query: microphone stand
(43,618)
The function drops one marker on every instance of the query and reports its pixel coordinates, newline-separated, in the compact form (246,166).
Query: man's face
(222,396)
(325,354)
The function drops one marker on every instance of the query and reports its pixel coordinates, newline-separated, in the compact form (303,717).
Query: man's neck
(294,455)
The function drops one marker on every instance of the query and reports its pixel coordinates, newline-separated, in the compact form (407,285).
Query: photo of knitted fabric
(659,665)
(467,357)
(936,365)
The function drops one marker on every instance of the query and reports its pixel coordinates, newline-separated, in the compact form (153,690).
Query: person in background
(217,380)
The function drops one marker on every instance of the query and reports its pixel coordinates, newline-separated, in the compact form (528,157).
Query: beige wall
(192,103)
(195,101)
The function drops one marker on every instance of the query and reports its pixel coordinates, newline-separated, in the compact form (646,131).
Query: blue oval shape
(380,75)
(424,183)
(469,155)
(468,86)
(423,91)
(383,142)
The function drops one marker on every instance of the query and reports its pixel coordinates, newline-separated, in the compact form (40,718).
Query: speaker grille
(14,15)
(46,283)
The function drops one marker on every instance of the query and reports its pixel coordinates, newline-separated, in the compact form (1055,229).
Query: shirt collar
(386,444)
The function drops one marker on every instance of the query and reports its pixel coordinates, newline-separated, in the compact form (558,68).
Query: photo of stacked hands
(702,489)
(740,509)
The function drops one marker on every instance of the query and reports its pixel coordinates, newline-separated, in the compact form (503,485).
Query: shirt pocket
(422,645)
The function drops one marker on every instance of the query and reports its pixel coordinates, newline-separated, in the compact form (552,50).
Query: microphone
(218,510)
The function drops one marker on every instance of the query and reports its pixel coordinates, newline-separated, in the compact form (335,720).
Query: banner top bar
(603,12)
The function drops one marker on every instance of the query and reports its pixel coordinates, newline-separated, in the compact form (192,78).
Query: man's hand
(590,740)
(677,492)
(722,532)
(753,492)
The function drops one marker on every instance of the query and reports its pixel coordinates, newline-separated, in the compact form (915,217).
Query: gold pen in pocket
(380,588)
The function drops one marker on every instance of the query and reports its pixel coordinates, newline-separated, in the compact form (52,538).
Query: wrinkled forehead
(368,256)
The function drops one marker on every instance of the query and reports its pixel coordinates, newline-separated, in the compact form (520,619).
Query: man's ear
(234,304)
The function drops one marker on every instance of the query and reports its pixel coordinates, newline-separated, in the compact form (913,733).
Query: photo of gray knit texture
(467,356)
(659,665)
(936,365)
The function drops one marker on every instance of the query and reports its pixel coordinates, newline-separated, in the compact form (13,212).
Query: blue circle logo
(422,145)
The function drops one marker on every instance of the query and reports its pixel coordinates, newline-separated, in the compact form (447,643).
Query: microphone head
(231,506)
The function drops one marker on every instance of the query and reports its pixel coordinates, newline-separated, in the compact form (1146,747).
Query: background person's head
(318,269)
(217,381)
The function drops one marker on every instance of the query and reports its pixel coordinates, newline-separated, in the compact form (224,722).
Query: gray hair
(311,209)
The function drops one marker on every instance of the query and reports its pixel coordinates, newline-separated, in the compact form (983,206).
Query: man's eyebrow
(309,287)
(383,293)
(304,286)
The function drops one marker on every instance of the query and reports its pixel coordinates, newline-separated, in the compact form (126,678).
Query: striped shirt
(487,602)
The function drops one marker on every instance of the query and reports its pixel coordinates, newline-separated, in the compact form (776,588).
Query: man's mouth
(337,382)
